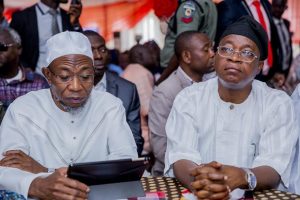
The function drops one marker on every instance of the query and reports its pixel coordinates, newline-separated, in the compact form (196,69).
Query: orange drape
(293,15)
(115,17)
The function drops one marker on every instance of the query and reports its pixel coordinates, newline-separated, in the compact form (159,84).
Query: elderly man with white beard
(45,131)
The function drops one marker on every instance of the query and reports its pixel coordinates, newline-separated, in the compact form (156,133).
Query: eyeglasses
(244,55)
(4,47)
(67,78)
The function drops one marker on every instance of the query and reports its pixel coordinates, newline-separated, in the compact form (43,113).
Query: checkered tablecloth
(172,189)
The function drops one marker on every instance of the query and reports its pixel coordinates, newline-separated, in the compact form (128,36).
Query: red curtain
(293,14)
(108,18)
(115,17)
(125,14)
(8,13)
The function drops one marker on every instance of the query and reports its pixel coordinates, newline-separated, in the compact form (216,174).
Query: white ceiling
(26,3)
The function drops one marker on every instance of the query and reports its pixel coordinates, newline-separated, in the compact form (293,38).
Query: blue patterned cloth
(6,195)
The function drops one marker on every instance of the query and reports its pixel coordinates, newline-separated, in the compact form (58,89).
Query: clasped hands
(215,181)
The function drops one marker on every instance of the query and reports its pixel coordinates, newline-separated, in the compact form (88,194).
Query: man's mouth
(76,100)
(99,65)
(232,69)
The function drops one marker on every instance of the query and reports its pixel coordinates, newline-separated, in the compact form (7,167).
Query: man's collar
(27,74)
(189,79)
(103,80)
(19,77)
(102,83)
(277,21)
(44,8)
(249,2)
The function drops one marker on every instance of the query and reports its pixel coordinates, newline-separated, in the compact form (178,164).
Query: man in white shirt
(241,123)
(195,56)
(68,123)
(295,175)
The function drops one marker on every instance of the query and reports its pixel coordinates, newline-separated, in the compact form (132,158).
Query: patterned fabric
(169,186)
(6,195)
(174,190)
(30,81)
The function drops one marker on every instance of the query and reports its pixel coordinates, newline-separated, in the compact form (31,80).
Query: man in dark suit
(117,86)
(3,21)
(231,10)
(38,23)
(285,36)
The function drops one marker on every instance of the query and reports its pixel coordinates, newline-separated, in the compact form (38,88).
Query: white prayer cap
(66,43)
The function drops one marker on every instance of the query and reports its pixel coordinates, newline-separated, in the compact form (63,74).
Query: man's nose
(98,55)
(212,53)
(75,84)
(235,57)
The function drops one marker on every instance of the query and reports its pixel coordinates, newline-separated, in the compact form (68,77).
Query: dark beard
(98,77)
(6,71)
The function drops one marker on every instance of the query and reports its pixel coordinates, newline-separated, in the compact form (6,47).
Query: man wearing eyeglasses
(66,124)
(15,80)
(232,132)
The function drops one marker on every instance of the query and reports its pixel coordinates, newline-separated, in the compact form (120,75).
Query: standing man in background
(190,15)
(3,21)
(38,23)
(285,36)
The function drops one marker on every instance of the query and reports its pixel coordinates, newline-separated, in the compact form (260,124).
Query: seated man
(15,80)
(295,176)
(195,55)
(68,123)
(241,123)
(117,86)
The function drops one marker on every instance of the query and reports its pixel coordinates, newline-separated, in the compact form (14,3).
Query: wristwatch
(251,179)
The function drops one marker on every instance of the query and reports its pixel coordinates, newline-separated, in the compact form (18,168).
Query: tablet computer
(111,171)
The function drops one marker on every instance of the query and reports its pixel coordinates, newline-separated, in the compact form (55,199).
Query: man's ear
(20,49)
(260,66)
(47,75)
(186,56)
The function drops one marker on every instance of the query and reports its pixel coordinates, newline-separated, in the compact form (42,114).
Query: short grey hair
(14,35)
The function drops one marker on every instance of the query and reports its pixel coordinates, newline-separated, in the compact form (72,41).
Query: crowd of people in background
(218,103)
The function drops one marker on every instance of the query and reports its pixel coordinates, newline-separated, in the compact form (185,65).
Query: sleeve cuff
(28,180)
(179,156)
(283,171)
